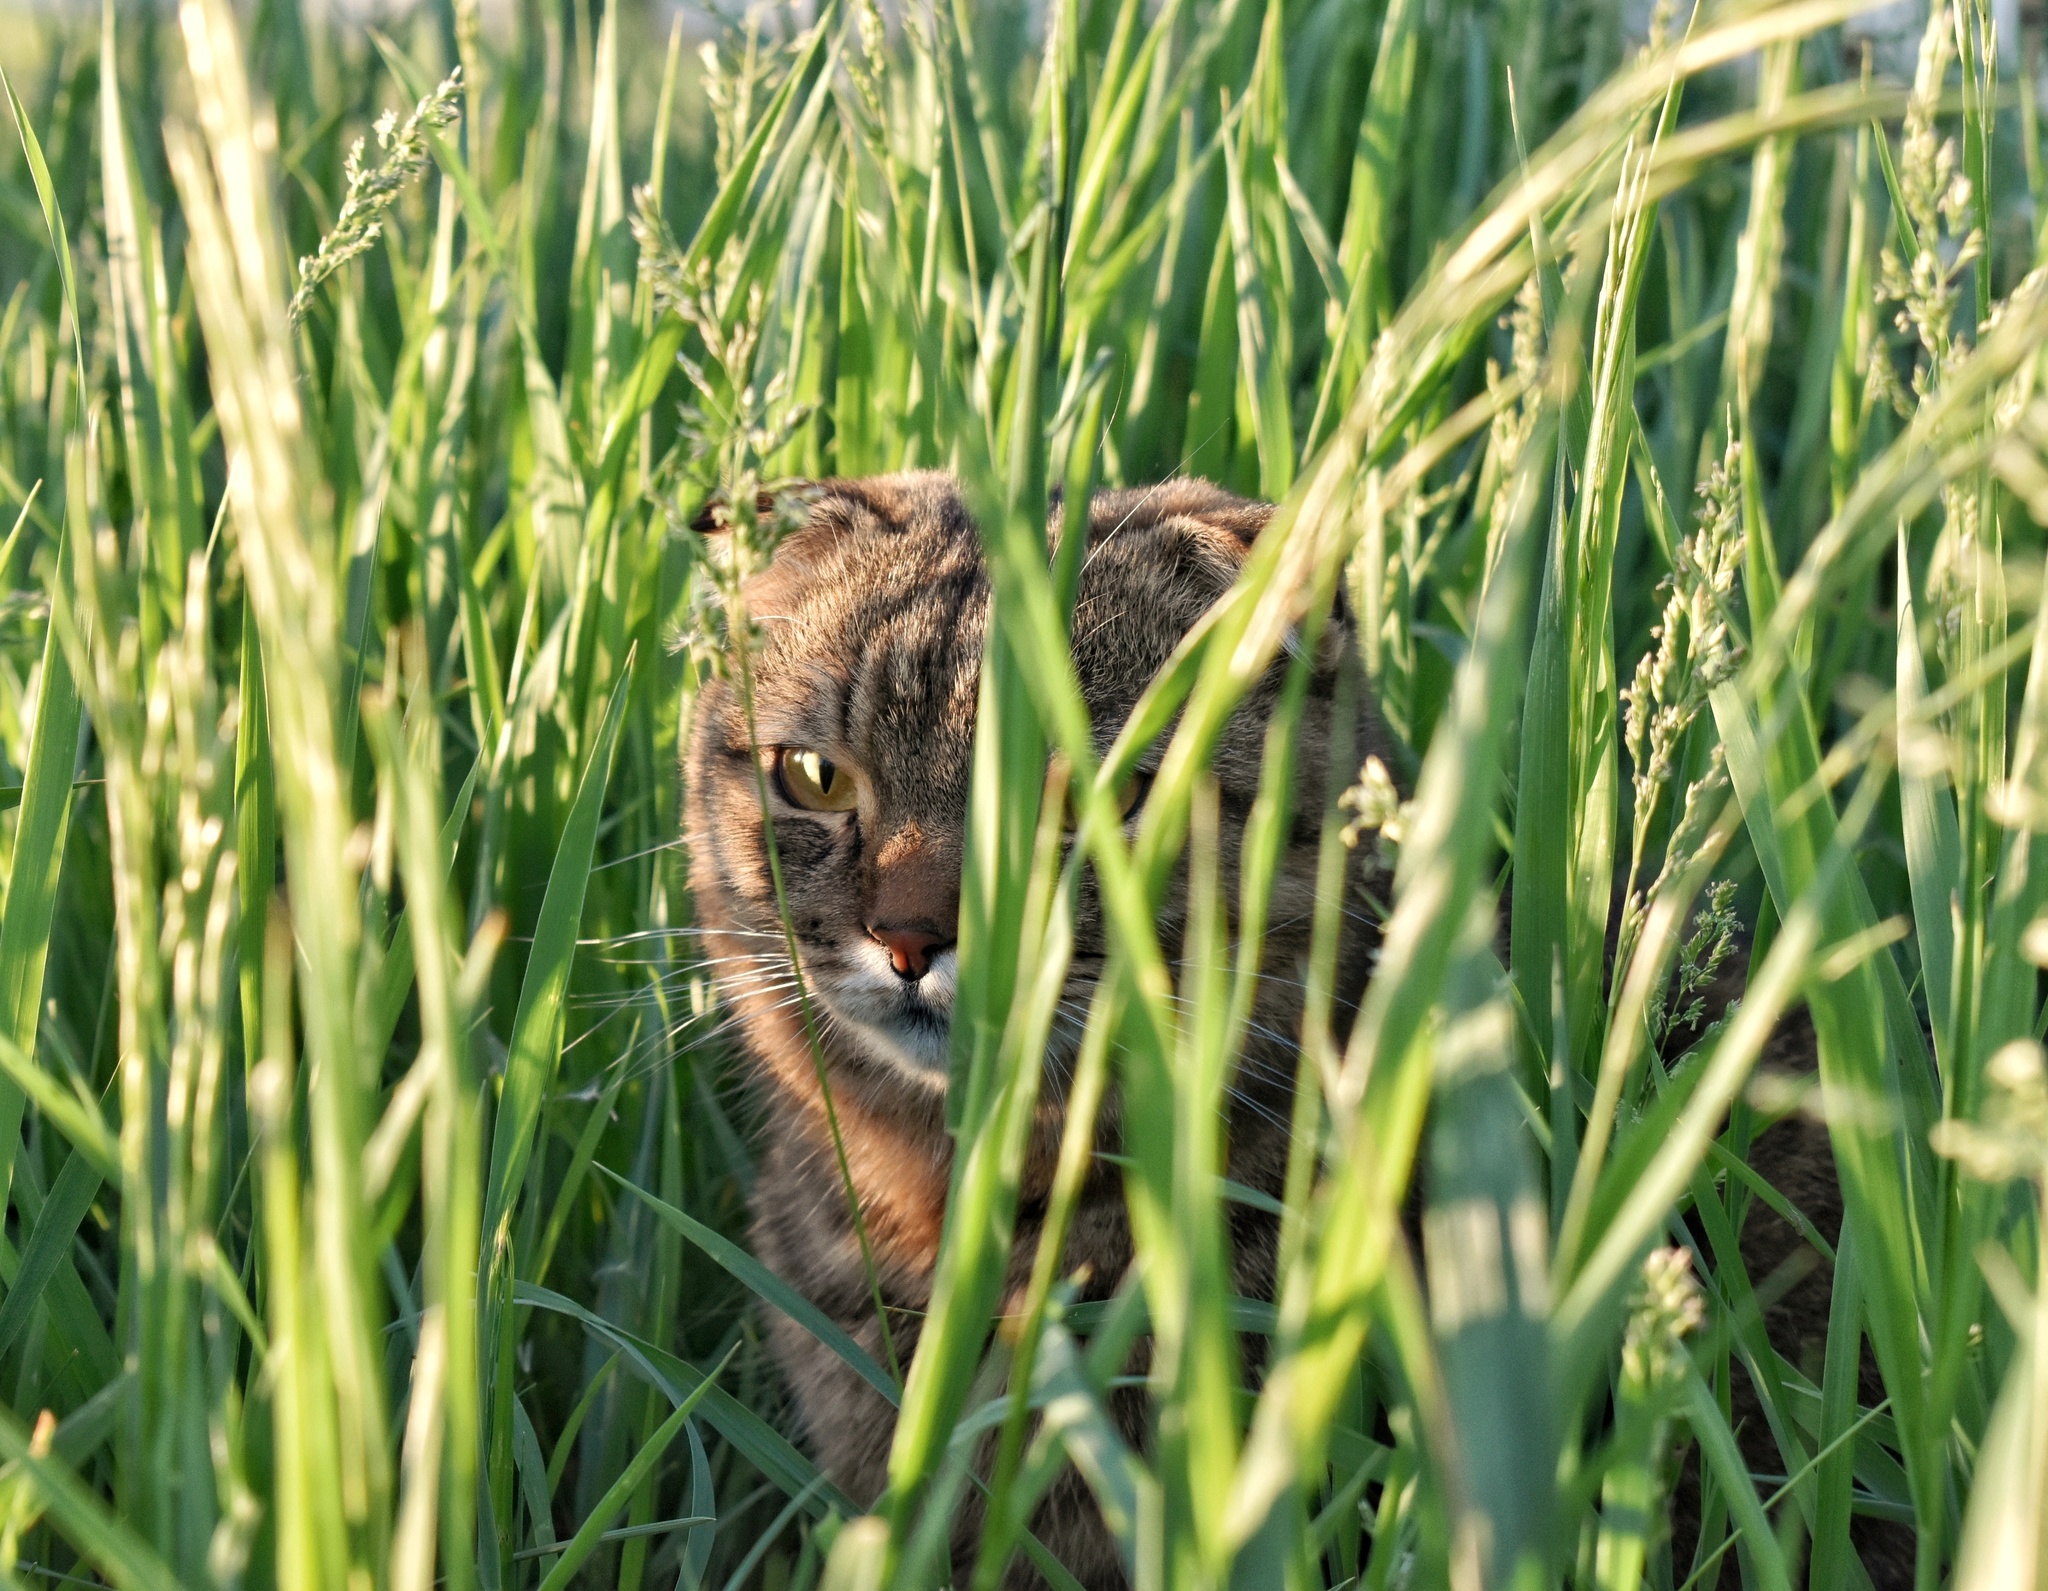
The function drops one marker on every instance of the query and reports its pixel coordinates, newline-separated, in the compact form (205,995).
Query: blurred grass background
(376,1156)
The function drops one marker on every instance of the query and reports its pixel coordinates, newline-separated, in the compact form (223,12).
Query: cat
(874,616)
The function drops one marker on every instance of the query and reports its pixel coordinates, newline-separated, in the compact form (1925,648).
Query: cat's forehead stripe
(915,668)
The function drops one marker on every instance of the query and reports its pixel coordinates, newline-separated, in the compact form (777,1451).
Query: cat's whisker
(656,996)
(671,970)
(738,967)
(681,929)
(679,843)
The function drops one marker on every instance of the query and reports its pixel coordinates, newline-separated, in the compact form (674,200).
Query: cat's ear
(1244,518)
(1185,499)
(1214,508)
(714,518)
(1241,517)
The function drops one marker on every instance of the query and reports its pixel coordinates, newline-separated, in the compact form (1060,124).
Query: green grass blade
(95,1530)
(34,870)
(1484,1233)
(536,1044)
(588,1535)
(78,1119)
(46,788)
(767,1286)
(53,220)
(1881,1156)
(1262,363)
(1541,881)
(1717,1446)
(49,1243)
(1832,1553)
(758,1442)
(1933,846)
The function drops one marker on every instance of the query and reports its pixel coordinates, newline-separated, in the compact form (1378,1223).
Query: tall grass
(1666,411)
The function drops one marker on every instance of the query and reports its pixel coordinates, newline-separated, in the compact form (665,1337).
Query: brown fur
(875,615)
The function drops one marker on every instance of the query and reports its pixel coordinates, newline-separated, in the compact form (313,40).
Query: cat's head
(875,615)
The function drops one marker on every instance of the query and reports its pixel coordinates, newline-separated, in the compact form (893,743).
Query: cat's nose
(910,949)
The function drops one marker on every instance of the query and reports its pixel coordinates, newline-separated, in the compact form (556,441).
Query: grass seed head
(1668,1308)
(370,191)
(1937,202)
(1376,807)
(2010,1140)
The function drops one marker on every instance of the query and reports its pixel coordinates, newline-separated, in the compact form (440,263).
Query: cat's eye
(813,782)
(1128,794)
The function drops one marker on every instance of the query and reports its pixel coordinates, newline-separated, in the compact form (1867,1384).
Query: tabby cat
(875,615)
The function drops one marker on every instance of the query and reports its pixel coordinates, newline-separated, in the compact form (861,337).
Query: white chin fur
(877,1009)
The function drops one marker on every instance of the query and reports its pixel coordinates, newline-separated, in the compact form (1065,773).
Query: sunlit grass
(1664,410)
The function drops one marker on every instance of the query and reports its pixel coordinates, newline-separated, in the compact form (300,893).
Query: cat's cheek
(808,844)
